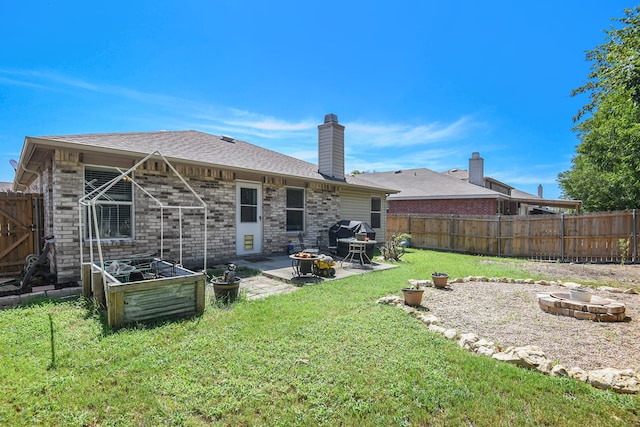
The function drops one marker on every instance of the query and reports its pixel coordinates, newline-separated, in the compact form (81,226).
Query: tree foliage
(605,172)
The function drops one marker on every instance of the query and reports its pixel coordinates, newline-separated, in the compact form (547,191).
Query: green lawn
(324,355)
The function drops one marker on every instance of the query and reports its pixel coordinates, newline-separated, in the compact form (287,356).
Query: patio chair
(358,251)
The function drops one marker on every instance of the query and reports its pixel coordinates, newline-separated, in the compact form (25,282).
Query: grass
(323,355)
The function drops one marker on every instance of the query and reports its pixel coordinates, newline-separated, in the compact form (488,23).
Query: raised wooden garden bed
(164,291)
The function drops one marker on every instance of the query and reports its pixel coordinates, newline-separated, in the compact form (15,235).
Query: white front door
(248,218)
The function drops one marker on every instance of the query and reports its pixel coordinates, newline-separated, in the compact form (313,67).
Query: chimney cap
(475,155)
(330,118)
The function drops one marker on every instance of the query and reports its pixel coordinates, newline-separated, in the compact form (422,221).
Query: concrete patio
(278,275)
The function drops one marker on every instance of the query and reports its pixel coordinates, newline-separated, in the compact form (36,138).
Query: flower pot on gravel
(440,280)
(412,296)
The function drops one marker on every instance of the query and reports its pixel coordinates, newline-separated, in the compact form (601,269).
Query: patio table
(302,265)
(358,250)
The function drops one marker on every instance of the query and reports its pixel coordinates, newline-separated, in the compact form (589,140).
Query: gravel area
(509,315)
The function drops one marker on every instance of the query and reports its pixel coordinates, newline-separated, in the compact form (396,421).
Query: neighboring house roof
(424,183)
(192,147)
(463,174)
(517,194)
(6,186)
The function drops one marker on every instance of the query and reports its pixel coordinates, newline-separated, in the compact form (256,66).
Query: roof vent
(398,171)
(227,138)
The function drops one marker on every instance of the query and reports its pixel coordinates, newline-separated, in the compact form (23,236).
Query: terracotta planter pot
(412,296)
(440,281)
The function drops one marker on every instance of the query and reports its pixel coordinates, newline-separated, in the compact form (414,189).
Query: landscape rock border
(532,357)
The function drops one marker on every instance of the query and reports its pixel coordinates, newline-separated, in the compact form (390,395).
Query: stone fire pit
(598,309)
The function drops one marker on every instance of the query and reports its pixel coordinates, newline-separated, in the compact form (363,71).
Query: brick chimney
(331,147)
(540,191)
(476,169)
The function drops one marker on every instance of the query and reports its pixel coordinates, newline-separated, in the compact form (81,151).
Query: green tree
(605,172)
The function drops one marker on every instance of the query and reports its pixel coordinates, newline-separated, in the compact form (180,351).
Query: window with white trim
(295,209)
(376,212)
(114,209)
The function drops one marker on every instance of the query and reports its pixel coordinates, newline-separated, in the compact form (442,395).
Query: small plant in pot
(439,279)
(413,295)
(226,287)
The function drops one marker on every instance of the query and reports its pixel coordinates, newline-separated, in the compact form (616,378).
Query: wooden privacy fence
(21,228)
(591,237)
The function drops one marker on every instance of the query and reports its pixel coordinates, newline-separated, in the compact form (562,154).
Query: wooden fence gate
(21,230)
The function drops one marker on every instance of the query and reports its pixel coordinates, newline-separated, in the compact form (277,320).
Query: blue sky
(417,83)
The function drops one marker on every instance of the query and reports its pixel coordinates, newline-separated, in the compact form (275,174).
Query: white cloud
(27,77)
(396,134)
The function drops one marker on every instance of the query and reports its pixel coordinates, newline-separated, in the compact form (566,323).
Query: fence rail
(591,237)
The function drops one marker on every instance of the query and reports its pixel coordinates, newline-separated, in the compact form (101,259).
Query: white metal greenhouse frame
(91,199)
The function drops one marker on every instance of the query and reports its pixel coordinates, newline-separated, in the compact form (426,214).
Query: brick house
(257,200)
(459,192)
(423,191)
(519,202)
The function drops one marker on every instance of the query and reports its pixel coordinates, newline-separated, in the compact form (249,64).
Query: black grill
(346,228)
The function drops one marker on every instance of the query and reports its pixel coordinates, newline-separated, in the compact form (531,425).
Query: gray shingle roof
(424,183)
(199,148)
(517,194)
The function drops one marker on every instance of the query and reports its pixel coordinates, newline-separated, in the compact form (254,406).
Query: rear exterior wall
(64,186)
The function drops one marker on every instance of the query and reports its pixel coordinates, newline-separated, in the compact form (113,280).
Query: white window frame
(378,212)
(302,209)
(108,234)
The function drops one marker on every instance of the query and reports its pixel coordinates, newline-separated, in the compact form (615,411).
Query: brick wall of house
(322,206)
(444,206)
(67,183)
(274,238)
(218,191)
(322,211)
(153,223)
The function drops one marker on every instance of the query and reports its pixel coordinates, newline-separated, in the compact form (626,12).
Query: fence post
(562,237)
(635,237)
(499,234)
(451,233)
